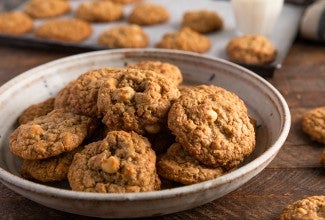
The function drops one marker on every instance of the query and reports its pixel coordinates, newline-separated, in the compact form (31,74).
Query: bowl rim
(7,177)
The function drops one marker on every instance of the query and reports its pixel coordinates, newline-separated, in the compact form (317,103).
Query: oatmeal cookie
(46,8)
(202,21)
(308,208)
(99,11)
(124,36)
(70,30)
(122,162)
(251,49)
(212,125)
(313,124)
(148,14)
(137,100)
(80,95)
(50,135)
(15,23)
(169,70)
(178,166)
(36,110)
(185,39)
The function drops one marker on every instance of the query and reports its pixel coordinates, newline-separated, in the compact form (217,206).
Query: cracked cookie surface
(313,124)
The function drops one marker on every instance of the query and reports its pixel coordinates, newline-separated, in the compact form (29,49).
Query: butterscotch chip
(36,110)
(122,162)
(80,95)
(212,125)
(308,208)
(202,21)
(15,23)
(124,36)
(46,8)
(99,11)
(50,135)
(185,39)
(178,166)
(136,100)
(251,49)
(148,14)
(313,124)
(70,30)
(167,69)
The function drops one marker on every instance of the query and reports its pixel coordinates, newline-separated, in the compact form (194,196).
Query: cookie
(178,166)
(69,30)
(161,141)
(137,100)
(50,135)
(15,23)
(80,95)
(122,162)
(313,124)
(36,110)
(202,21)
(124,36)
(167,69)
(212,125)
(185,39)
(251,49)
(148,14)
(46,8)
(99,11)
(308,208)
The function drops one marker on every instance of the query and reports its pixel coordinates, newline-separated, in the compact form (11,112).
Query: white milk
(256,16)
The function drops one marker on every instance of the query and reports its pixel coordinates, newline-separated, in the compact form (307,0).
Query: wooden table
(294,174)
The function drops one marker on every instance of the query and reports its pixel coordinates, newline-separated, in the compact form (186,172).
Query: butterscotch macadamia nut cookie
(15,23)
(148,14)
(202,21)
(313,124)
(46,8)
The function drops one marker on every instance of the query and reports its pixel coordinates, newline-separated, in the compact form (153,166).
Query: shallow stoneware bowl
(264,102)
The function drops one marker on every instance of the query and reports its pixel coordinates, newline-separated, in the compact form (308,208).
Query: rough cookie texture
(148,14)
(50,135)
(36,110)
(212,125)
(202,21)
(251,49)
(169,70)
(178,166)
(80,95)
(46,8)
(185,39)
(313,124)
(309,208)
(15,23)
(137,100)
(122,162)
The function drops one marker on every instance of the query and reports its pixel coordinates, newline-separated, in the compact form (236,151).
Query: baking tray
(282,36)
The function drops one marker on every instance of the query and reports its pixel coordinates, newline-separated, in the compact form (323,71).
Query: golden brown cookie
(212,125)
(36,110)
(167,69)
(148,14)
(178,166)
(313,124)
(80,95)
(308,208)
(50,135)
(16,23)
(122,162)
(46,8)
(70,30)
(136,100)
(202,21)
(251,49)
(185,39)
(124,36)
(99,11)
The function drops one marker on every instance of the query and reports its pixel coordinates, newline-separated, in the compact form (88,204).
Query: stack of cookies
(133,129)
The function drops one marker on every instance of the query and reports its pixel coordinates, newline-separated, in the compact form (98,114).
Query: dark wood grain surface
(294,174)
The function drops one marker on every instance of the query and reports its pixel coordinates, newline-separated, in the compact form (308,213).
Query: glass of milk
(256,16)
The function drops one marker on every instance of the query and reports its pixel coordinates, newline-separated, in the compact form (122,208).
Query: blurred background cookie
(148,14)
(46,8)
(202,21)
(313,124)
(15,23)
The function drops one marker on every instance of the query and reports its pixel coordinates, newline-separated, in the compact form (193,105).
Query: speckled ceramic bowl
(264,102)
